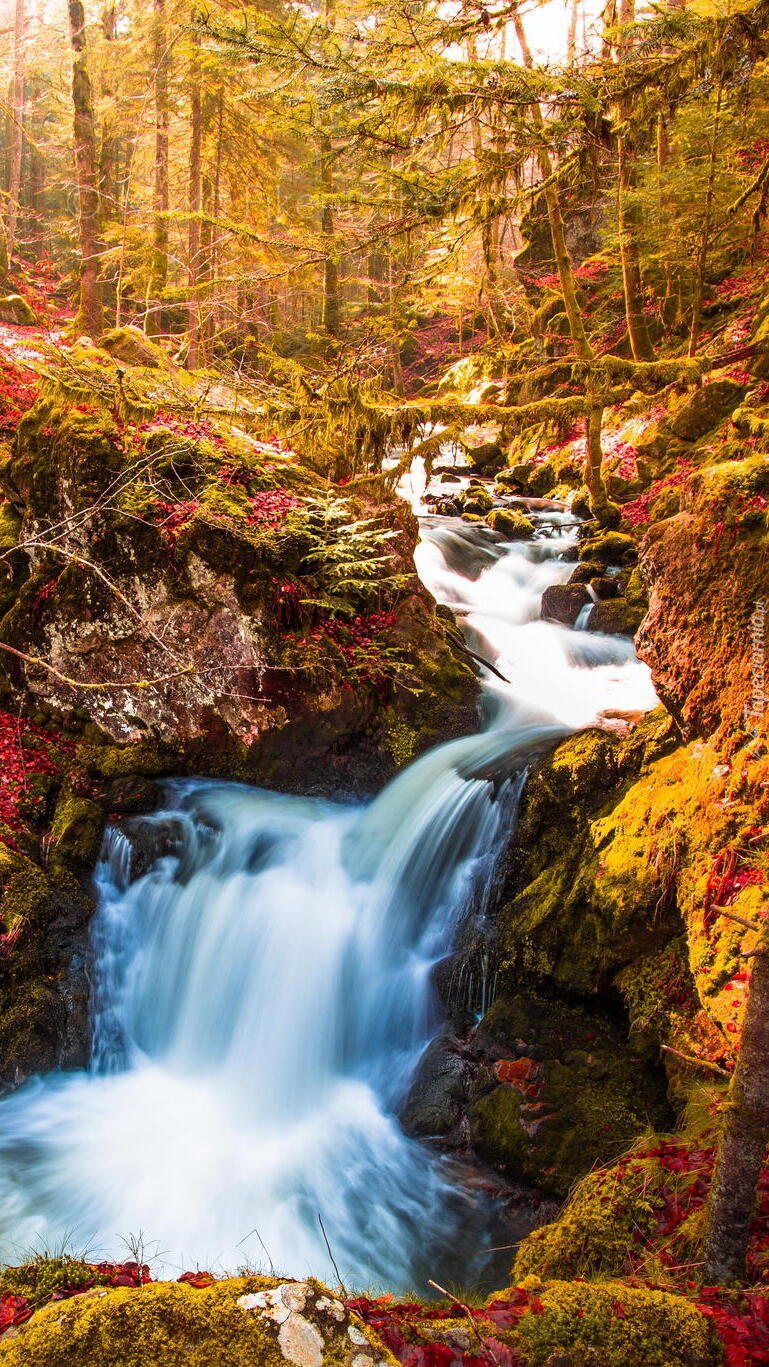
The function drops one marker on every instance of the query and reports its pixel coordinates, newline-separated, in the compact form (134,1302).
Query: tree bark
(744,1137)
(638,331)
(160,192)
(702,254)
(194,196)
(17,127)
(89,315)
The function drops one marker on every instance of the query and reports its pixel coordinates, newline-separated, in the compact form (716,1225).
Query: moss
(476,499)
(133,347)
(76,832)
(147,758)
(703,410)
(401,740)
(609,1213)
(609,548)
(543,478)
(511,524)
(616,617)
(39,1280)
(244,1320)
(15,309)
(617,1326)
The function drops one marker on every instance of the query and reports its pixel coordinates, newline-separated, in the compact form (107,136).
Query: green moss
(165,1324)
(617,1326)
(511,524)
(401,740)
(39,1280)
(476,499)
(121,761)
(610,548)
(76,832)
(608,1214)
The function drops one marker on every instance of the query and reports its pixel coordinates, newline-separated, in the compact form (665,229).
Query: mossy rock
(609,548)
(476,499)
(131,346)
(15,310)
(543,479)
(254,1321)
(41,1279)
(616,1326)
(562,1090)
(76,832)
(616,617)
(487,459)
(513,525)
(597,1229)
(563,603)
(508,482)
(705,409)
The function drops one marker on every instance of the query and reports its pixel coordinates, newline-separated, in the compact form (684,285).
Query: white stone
(300,1342)
(356,1336)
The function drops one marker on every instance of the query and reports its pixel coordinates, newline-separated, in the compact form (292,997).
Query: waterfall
(262,990)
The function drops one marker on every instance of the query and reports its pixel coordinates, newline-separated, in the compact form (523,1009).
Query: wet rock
(476,499)
(563,603)
(515,526)
(586,572)
(543,478)
(487,458)
(616,617)
(609,548)
(437,1093)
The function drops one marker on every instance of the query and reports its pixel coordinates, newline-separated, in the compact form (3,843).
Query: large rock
(705,409)
(438,1091)
(564,602)
(249,1320)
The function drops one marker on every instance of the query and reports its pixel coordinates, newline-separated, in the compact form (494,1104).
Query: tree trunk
(17,127)
(89,315)
(702,254)
(744,1137)
(571,40)
(194,195)
(159,274)
(637,327)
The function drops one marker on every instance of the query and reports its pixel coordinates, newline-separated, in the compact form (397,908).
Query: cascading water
(261,993)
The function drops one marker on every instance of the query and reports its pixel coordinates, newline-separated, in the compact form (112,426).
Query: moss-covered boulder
(248,1320)
(476,499)
(706,572)
(703,410)
(616,1326)
(15,309)
(616,617)
(513,525)
(609,548)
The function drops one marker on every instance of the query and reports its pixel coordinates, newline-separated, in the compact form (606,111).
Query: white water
(262,993)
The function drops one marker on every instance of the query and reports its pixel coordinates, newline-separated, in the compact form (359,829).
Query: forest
(384,683)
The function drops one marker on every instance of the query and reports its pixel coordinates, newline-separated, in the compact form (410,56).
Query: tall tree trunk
(159,274)
(707,224)
(600,504)
(744,1137)
(555,218)
(571,39)
(89,314)
(490,284)
(17,127)
(108,155)
(194,196)
(331,301)
(640,341)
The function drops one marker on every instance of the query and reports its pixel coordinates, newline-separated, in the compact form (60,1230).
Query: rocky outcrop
(190,585)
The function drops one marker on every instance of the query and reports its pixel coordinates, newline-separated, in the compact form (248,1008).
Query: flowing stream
(262,990)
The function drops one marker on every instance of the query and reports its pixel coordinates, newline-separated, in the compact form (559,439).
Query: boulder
(616,617)
(486,459)
(705,409)
(437,1093)
(476,499)
(513,525)
(609,548)
(14,309)
(542,479)
(563,603)
(135,348)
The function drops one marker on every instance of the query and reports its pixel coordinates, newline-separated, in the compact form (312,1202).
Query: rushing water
(261,993)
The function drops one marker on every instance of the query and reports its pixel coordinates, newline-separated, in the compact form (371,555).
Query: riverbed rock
(616,617)
(564,602)
(513,525)
(438,1091)
(703,410)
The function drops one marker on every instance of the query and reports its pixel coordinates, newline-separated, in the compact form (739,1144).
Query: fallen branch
(95,687)
(741,920)
(698,1062)
(466,1308)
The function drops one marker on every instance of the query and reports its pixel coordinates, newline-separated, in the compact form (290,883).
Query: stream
(261,991)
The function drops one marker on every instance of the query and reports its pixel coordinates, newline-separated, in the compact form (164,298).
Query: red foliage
(638,512)
(397,1324)
(177,515)
(269,508)
(25,750)
(13,1310)
(356,642)
(18,392)
(726,881)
